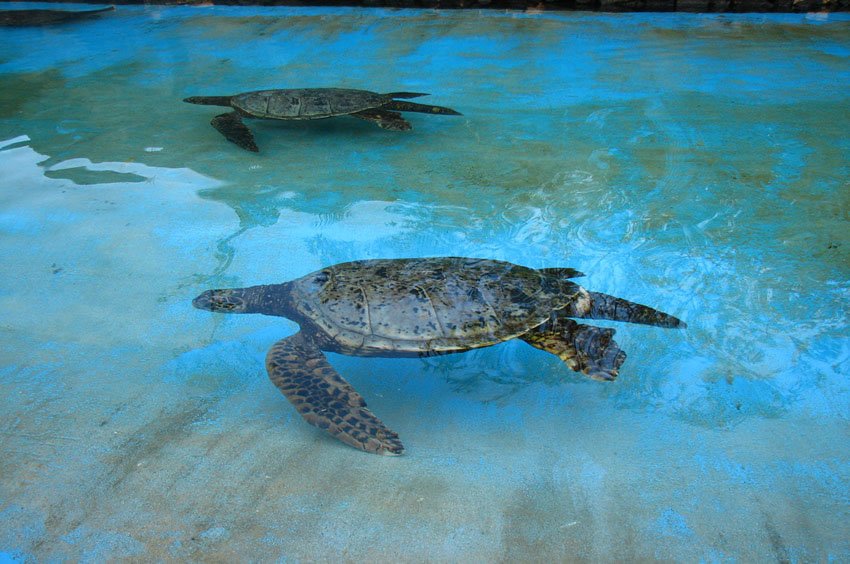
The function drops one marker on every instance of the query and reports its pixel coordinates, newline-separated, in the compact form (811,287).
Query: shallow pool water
(698,164)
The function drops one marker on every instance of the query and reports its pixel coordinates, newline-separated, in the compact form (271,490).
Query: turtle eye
(321,278)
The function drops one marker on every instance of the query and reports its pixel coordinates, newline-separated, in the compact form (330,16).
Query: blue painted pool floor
(697,164)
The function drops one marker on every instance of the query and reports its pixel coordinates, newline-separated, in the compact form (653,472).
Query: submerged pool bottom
(678,161)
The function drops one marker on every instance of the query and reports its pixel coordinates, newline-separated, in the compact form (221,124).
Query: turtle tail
(209,100)
(603,306)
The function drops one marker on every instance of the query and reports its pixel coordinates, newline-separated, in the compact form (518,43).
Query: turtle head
(208,100)
(255,299)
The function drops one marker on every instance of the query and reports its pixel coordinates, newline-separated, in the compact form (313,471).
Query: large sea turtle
(421,307)
(312,103)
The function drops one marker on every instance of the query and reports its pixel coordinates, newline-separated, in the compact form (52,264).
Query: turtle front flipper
(298,367)
(231,126)
(584,348)
(385,119)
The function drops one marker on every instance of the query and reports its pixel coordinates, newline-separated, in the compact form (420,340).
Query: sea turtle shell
(307,103)
(427,306)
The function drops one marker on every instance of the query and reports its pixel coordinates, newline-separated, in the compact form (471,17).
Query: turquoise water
(698,164)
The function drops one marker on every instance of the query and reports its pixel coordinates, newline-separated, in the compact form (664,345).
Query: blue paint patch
(20,527)
(823,387)
(20,224)
(97,545)
(673,524)
(828,477)
(252,336)
(215,534)
(229,357)
(716,556)
(835,49)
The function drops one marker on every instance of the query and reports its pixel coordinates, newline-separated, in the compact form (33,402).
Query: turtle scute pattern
(307,103)
(428,305)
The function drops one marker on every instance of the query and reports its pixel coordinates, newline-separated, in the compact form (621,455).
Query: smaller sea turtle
(422,307)
(46,17)
(312,103)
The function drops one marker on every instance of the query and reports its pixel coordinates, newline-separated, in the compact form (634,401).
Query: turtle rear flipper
(584,348)
(385,119)
(603,306)
(231,126)
(300,370)
(422,108)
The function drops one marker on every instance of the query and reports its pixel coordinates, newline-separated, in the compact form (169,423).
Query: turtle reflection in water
(312,103)
(421,307)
